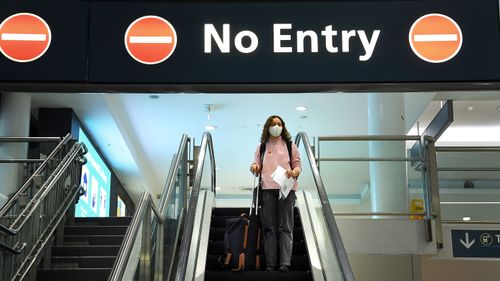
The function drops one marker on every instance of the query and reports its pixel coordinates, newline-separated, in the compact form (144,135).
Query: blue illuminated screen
(95,181)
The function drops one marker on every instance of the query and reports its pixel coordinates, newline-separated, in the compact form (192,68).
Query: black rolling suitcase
(242,240)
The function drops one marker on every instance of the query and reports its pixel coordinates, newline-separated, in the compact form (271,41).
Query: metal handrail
(369,138)
(50,203)
(206,143)
(427,166)
(333,230)
(141,216)
(30,139)
(171,174)
(38,171)
(395,214)
(468,148)
(28,211)
(145,206)
(470,222)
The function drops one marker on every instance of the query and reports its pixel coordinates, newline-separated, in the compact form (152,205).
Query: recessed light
(498,107)
(210,127)
(466,218)
(301,108)
(470,108)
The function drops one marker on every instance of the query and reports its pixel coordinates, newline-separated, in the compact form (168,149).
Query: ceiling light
(466,218)
(210,128)
(301,108)
(470,108)
(498,107)
(154,97)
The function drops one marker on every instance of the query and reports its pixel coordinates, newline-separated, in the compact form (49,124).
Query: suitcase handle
(255,197)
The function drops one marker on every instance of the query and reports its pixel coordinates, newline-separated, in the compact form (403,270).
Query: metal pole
(434,190)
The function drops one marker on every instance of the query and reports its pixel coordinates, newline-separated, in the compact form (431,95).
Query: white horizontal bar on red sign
(435,37)
(150,39)
(23,37)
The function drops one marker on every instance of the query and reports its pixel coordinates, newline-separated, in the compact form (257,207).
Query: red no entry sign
(24,37)
(150,39)
(435,38)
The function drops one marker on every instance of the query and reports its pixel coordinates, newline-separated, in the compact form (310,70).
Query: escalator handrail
(333,230)
(206,143)
(167,190)
(145,205)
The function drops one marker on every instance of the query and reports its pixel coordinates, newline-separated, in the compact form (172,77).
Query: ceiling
(139,133)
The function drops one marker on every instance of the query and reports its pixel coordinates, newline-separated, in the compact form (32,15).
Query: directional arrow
(467,244)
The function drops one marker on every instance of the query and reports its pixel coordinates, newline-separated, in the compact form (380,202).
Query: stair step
(81,274)
(95,230)
(258,275)
(86,261)
(101,250)
(94,239)
(103,221)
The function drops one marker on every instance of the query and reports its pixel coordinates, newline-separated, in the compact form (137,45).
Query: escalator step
(257,275)
(217,247)
(217,234)
(298,263)
(219,221)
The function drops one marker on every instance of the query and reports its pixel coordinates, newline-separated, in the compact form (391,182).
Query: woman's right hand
(255,169)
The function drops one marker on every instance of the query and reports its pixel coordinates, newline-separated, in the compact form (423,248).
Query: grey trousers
(277,222)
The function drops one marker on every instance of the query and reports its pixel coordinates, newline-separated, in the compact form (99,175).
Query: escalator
(318,251)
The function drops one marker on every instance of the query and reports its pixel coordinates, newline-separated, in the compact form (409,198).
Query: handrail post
(432,202)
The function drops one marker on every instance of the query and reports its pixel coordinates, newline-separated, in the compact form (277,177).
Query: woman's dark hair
(265,131)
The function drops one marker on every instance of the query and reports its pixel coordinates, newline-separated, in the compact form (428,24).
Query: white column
(15,112)
(388,183)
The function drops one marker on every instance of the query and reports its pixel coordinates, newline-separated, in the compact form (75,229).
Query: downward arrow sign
(467,244)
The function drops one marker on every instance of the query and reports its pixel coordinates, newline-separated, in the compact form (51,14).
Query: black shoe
(269,269)
(284,268)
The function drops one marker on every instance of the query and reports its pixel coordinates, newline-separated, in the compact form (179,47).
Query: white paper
(286,184)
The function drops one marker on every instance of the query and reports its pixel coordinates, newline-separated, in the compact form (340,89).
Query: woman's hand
(255,169)
(292,173)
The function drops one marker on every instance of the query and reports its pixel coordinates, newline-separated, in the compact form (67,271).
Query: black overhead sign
(251,43)
(476,243)
(300,42)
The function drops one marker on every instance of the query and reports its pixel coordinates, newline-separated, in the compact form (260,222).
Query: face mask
(275,130)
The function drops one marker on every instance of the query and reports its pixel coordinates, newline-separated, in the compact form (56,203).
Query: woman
(277,214)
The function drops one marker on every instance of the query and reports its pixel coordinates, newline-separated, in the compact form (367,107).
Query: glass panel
(133,269)
(468,184)
(206,179)
(173,215)
(307,183)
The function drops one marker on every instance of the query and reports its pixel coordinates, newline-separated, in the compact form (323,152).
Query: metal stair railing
(30,218)
(423,161)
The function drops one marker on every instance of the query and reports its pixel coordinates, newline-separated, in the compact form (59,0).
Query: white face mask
(275,130)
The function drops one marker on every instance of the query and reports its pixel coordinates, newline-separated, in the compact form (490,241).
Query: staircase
(299,268)
(88,252)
